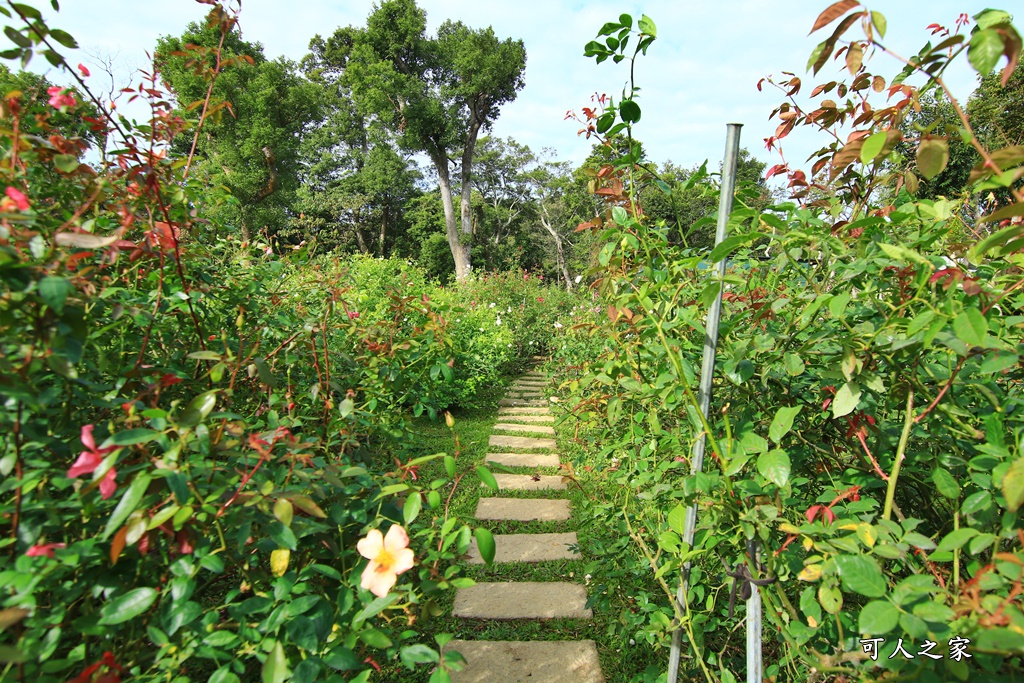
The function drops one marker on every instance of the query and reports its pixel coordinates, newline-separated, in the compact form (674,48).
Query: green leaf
(17,37)
(66,163)
(411,655)
(485,542)
(945,484)
(64,38)
(730,244)
(846,399)
(774,466)
(970,327)
(224,675)
(55,291)
(342,658)
(1013,485)
(376,607)
(275,667)
(128,606)
(449,466)
(985,50)
(955,540)
(131,437)
(375,638)
(997,361)
(199,409)
(206,354)
(127,505)
(27,10)
(284,511)
(872,147)
(629,111)
(878,617)
(782,422)
(677,519)
(878,21)
(934,612)
(861,574)
(932,157)
(486,477)
(831,598)
(646,25)
(412,506)
(794,364)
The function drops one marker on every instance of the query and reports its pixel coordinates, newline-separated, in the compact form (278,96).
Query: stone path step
(528,548)
(524,459)
(528,482)
(524,412)
(521,410)
(522,600)
(527,662)
(520,402)
(533,429)
(501,441)
(523,509)
(544,419)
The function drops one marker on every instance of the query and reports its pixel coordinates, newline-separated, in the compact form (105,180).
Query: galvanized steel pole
(707,371)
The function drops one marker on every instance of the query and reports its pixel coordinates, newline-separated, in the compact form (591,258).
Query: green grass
(620,661)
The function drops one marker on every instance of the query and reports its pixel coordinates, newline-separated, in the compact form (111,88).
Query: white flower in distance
(554,399)
(558,326)
(578,278)
(498,321)
(492,305)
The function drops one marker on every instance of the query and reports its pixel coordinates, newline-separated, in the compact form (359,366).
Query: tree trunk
(559,253)
(383,230)
(460,251)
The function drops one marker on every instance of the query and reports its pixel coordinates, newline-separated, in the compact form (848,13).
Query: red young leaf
(833,12)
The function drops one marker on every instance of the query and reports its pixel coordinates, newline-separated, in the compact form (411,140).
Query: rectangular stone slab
(528,548)
(520,402)
(540,661)
(524,411)
(499,441)
(516,419)
(522,600)
(526,482)
(524,393)
(523,509)
(524,459)
(532,429)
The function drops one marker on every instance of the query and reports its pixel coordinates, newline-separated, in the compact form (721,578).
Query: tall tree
(252,144)
(435,94)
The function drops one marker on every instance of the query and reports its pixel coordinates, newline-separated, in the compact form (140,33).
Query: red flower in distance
(44,550)
(85,72)
(90,459)
(59,99)
(18,197)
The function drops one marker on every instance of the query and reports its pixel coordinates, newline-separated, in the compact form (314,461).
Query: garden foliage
(867,426)
(197,431)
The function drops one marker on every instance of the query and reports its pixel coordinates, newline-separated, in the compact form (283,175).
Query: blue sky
(700,74)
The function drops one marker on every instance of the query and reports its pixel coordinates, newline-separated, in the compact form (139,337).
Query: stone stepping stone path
(527,421)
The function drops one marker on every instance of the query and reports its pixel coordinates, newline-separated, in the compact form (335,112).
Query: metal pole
(755,674)
(707,371)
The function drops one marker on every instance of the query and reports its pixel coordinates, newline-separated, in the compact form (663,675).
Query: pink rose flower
(389,556)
